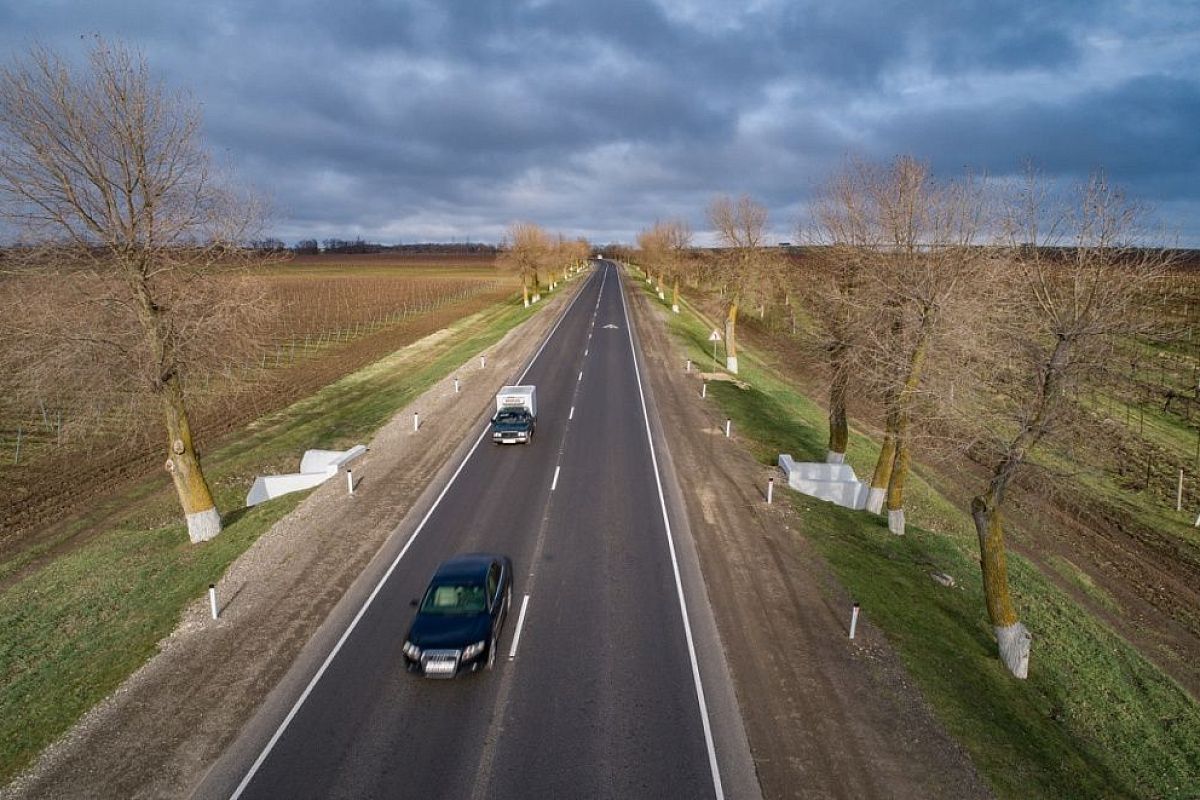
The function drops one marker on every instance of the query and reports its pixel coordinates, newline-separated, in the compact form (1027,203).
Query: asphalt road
(602,695)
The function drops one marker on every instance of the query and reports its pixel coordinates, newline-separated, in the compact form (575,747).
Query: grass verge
(1094,720)
(72,631)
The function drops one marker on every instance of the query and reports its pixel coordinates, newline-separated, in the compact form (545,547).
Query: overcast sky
(427,121)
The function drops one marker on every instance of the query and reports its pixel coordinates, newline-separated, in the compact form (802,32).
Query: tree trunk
(903,404)
(839,433)
(730,338)
(1012,637)
(883,466)
(203,519)
(895,488)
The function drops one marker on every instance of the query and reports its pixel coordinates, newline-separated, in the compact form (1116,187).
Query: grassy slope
(72,631)
(1094,719)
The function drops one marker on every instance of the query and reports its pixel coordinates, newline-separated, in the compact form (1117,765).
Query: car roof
(471,565)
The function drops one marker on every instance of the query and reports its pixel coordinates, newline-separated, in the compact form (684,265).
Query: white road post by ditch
(728,424)
(416,421)
(770,490)
(853,619)
(1179,492)
(212,599)
(350,482)
(689,365)
(482,362)
(456,385)
(704,389)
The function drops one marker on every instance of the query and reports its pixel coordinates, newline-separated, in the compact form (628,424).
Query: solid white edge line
(687,626)
(512,651)
(262,757)
(554,483)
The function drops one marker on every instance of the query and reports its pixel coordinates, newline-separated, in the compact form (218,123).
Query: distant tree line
(360,246)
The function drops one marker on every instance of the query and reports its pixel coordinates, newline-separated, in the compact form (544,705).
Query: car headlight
(412,651)
(474,650)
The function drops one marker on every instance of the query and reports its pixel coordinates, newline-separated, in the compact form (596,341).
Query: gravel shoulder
(825,716)
(160,732)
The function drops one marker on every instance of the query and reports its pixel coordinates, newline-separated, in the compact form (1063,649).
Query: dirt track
(825,717)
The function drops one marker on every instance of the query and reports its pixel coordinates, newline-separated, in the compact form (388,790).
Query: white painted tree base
(834,458)
(731,364)
(1015,642)
(203,525)
(896,521)
(675,308)
(875,499)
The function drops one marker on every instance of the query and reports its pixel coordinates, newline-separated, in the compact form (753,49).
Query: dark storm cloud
(438,118)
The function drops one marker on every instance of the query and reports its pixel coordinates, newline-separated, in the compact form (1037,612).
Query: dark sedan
(458,622)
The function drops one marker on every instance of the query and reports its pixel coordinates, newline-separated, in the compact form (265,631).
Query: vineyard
(324,318)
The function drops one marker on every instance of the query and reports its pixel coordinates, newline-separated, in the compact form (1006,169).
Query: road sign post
(715,337)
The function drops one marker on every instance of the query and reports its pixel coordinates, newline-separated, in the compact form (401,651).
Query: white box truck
(516,415)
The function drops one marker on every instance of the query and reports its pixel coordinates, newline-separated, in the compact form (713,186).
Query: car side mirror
(414,602)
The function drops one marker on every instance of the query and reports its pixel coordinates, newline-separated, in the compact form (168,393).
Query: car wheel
(491,662)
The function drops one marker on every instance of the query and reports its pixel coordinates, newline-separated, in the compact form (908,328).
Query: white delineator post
(456,385)
(728,424)
(1179,493)
(416,421)
(853,619)
(482,362)
(689,365)
(704,389)
(212,599)
(350,482)
(770,490)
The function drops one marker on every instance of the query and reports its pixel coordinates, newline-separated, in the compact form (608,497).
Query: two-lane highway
(602,696)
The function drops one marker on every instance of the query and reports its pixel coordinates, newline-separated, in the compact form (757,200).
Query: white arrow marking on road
(610,325)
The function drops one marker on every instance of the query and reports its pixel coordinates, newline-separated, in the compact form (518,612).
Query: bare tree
(844,233)
(103,174)
(529,248)
(926,231)
(664,247)
(741,228)
(1071,287)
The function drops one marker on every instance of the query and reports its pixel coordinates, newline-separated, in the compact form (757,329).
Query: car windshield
(455,598)
(511,416)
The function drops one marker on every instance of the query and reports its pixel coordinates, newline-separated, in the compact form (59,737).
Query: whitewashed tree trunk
(834,458)
(875,499)
(1015,642)
(731,364)
(896,521)
(203,525)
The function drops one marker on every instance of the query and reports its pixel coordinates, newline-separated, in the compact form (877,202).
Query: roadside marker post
(728,424)
(689,365)
(416,421)
(482,362)
(704,389)
(853,619)
(770,489)
(212,599)
(350,482)
(456,385)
